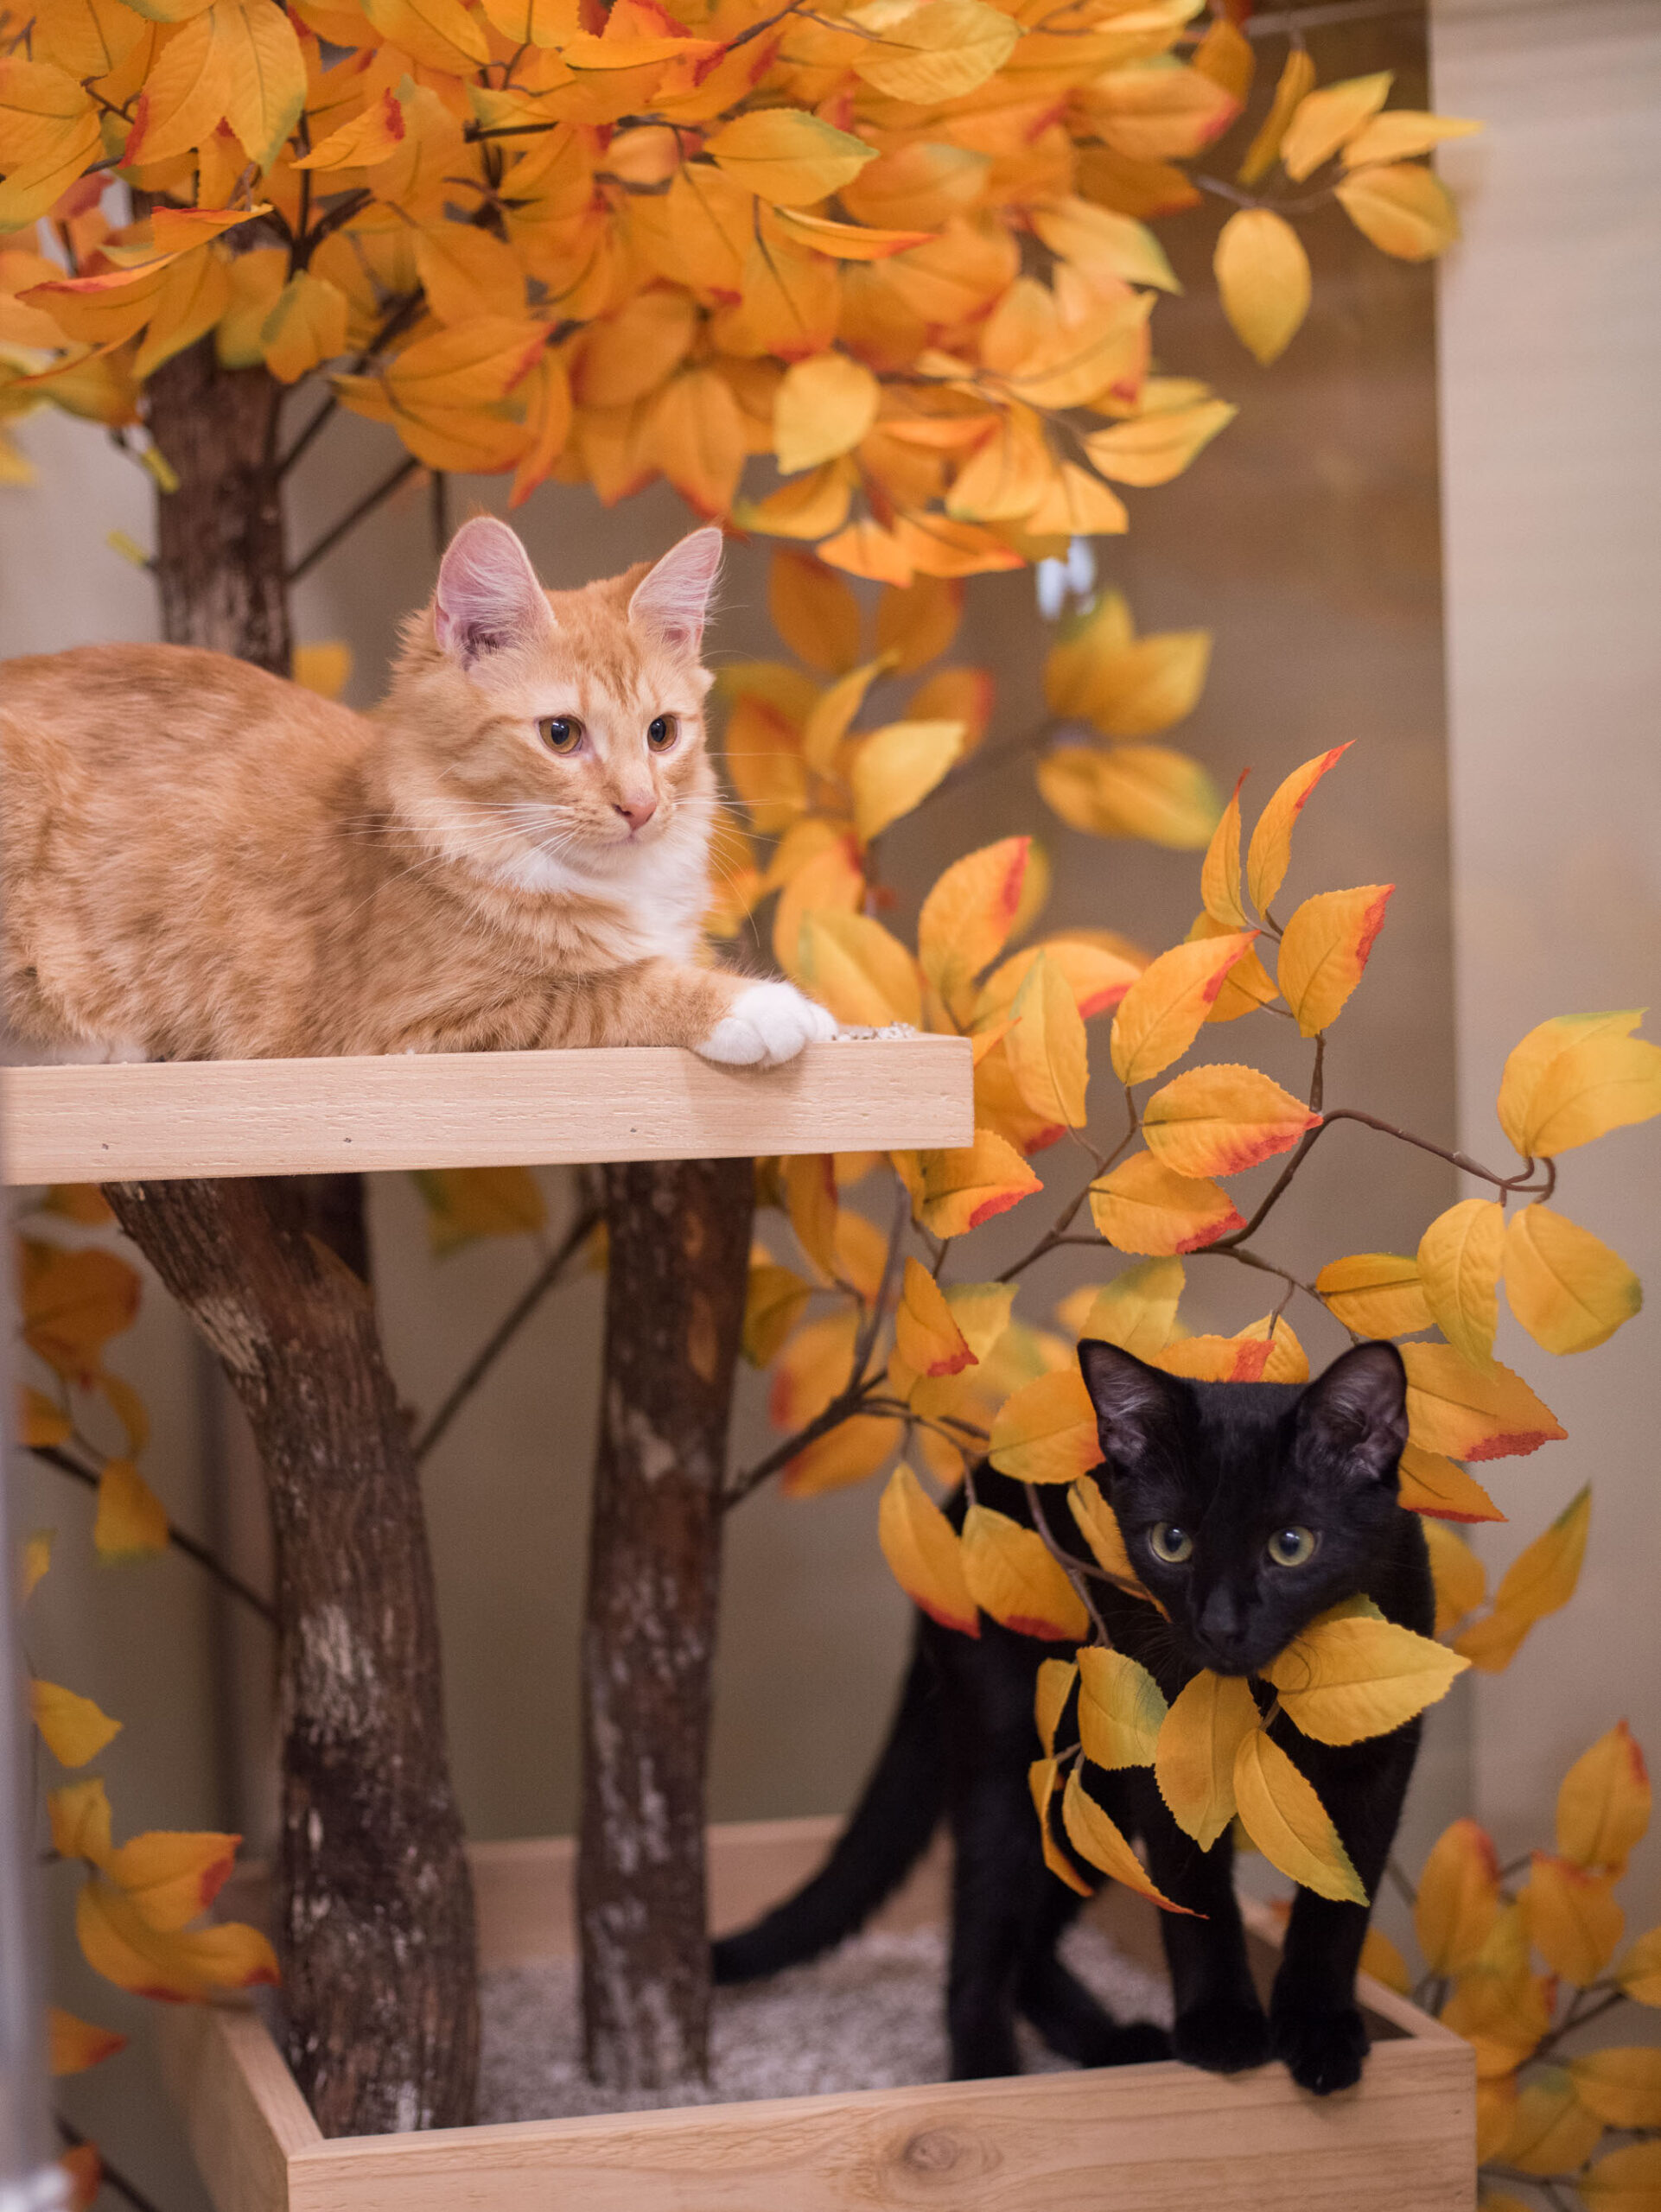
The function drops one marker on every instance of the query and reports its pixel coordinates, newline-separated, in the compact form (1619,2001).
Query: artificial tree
(906,253)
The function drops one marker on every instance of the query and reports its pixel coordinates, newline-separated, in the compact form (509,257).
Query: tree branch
(848,1401)
(67,1465)
(117,2180)
(507,1328)
(349,522)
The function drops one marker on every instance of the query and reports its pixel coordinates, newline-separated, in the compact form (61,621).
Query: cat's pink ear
(487,597)
(673,601)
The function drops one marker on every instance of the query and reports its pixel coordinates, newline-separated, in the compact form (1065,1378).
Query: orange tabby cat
(203,862)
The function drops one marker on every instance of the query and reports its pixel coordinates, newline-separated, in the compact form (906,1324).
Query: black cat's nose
(1222,1624)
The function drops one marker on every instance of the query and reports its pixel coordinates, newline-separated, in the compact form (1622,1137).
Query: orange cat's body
(202,861)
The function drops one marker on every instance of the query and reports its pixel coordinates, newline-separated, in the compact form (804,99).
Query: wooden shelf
(163,1119)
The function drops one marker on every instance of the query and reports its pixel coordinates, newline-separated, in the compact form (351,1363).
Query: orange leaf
(74,1303)
(1471,1412)
(1271,841)
(74,1729)
(961,1189)
(1194,1758)
(131,1521)
(1440,1488)
(1045,1432)
(967,916)
(923,1554)
(1221,1119)
(1457,1899)
(1041,1778)
(1144,1207)
(1162,1012)
(75,2044)
(1096,1838)
(1573,1920)
(1012,1575)
(179,1966)
(1326,948)
(1603,1806)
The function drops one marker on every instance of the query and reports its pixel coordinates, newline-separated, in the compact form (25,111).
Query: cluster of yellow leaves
(675,242)
(1515,1969)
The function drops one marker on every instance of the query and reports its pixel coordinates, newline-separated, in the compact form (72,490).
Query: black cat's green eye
(1292,1547)
(1170,1543)
(662,732)
(561,732)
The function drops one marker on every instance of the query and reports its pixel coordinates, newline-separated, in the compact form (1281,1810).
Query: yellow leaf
(1551,2131)
(73,2045)
(1565,1285)
(1325,949)
(1403,209)
(324,668)
(1625,2181)
(1142,1207)
(1045,1431)
(814,611)
(1572,1918)
(1045,1046)
(1263,275)
(853,966)
(80,1814)
(440,33)
(967,916)
(1098,978)
(923,1554)
(1146,687)
(1297,78)
(43,1423)
(1195,1760)
(184,1965)
(962,1188)
(787,156)
(37,1559)
(72,1304)
(1137,1311)
(267,75)
(1288,1823)
(1248,984)
(773,1302)
(1130,790)
(1374,1293)
(1575,1078)
(1257,1354)
(1403,133)
(1078,505)
(1342,1680)
(1270,852)
(373,136)
(851,1452)
(810,1185)
(1502,2016)
(1084,645)
(1101,1531)
(1012,1575)
(1622,2087)
(1153,448)
(1041,1778)
(896,767)
(1471,1412)
(1220,872)
(813,1367)
(1098,239)
(1121,1709)
(465,271)
(1441,1488)
(79,1202)
(1459,1577)
(1221,1119)
(1054,1687)
(73,1727)
(185,94)
(832,713)
(1603,1806)
(1096,1838)
(936,52)
(1541,1579)
(847,241)
(1161,1014)
(1224,56)
(170,1876)
(918,624)
(1639,1974)
(696,436)
(1458,1263)
(927,1337)
(131,1521)
(307,326)
(825,407)
(1325,120)
(464,1204)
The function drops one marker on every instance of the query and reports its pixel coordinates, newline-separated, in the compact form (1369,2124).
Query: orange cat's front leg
(727,1018)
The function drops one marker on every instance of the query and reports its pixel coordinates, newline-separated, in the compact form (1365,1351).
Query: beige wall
(1550,336)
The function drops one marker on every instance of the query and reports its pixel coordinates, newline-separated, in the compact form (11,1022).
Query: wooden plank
(243,2112)
(161,1119)
(1148,2139)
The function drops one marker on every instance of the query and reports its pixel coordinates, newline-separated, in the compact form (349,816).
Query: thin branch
(1404,1889)
(1574,2019)
(847,1403)
(365,507)
(1075,1569)
(329,407)
(113,2175)
(1057,1234)
(866,1342)
(209,1561)
(507,1328)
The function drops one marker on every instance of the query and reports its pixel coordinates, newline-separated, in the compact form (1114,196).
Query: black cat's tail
(887,1833)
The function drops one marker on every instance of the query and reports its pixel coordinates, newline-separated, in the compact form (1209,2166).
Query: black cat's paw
(1224,2039)
(1137,2042)
(1324,2047)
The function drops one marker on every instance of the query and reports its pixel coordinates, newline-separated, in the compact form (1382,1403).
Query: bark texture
(679,1254)
(376,1930)
(221,565)
(374,1903)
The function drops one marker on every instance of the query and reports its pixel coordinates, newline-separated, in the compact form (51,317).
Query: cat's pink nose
(638,809)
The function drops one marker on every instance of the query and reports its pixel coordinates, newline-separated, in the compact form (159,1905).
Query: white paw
(768,1024)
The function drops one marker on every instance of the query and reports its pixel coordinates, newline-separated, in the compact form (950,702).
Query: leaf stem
(66,1464)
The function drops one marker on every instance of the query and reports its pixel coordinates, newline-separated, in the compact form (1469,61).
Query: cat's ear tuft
(672,600)
(488,598)
(1355,1414)
(1134,1403)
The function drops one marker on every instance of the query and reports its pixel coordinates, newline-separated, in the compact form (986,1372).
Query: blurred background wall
(1311,541)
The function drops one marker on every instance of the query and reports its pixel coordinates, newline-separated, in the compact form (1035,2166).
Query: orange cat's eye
(662,732)
(561,732)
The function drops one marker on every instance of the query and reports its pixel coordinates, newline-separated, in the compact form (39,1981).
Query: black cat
(1247,1509)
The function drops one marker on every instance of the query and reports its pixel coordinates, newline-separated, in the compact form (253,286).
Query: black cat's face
(1248,1508)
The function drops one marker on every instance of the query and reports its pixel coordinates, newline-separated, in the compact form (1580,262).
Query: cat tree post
(680,1241)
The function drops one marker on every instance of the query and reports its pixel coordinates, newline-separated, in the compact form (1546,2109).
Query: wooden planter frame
(1136,2139)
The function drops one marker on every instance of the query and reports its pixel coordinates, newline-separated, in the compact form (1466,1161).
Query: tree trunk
(374,1904)
(375,1907)
(679,1252)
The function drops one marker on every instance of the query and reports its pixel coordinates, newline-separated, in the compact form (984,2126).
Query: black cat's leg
(1315,2021)
(1071,2019)
(1219,2017)
(995,1871)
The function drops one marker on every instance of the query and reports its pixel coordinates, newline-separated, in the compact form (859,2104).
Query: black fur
(1231,1464)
